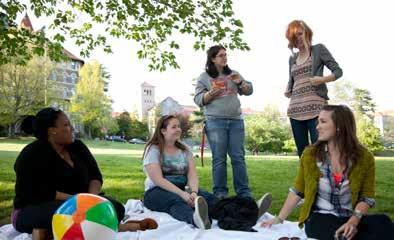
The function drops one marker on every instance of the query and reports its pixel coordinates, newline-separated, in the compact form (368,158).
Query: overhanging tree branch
(153,25)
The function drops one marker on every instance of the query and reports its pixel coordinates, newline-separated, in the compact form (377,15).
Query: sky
(359,34)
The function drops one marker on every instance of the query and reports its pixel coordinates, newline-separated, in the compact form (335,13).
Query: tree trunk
(11,130)
(89,133)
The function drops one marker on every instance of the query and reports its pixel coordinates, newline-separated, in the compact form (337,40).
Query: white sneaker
(264,204)
(200,216)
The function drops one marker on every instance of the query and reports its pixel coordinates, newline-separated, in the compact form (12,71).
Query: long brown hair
(158,138)
(345,138)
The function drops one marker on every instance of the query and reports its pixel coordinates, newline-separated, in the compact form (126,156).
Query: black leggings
(40,216)
(372,227)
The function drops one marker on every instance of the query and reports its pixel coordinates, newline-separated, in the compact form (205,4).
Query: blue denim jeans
(227,136)
(300,133)
(158,199)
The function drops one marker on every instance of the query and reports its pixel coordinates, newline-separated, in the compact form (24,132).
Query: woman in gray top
(217,94)
(307,88)
(169,167)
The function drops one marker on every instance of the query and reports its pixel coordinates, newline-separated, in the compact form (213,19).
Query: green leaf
(238,23)
(152,25)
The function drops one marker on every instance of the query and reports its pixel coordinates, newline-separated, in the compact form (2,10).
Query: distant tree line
(26,89)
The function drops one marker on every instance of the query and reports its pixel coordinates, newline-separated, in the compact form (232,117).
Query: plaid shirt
(331,198)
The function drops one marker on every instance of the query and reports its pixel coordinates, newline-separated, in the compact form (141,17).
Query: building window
(69,92)
(73,78)
(73,65)
(53,76)
(64,77)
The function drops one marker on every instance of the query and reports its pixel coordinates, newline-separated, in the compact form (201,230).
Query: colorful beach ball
(85,217)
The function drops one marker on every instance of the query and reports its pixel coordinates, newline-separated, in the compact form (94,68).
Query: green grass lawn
(121,166)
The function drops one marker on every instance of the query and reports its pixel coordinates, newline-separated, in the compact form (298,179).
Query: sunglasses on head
(289,238)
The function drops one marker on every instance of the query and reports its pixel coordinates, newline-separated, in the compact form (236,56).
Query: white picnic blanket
(171,229)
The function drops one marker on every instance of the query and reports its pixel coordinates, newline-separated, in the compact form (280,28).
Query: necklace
(66,158)
(61,154)
(302,60)
(335,163)
(302,57)
(338,170)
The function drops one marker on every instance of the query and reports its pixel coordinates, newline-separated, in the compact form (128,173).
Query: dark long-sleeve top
(40,172)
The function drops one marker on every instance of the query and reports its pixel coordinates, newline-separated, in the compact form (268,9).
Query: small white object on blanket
(135,206)
(172,229)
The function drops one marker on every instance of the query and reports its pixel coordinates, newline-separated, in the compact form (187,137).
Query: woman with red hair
(307,87)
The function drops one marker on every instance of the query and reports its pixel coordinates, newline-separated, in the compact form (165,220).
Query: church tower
(26,23)
(147,100)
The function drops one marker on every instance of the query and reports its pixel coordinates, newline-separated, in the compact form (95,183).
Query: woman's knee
(36,216)
(158,199)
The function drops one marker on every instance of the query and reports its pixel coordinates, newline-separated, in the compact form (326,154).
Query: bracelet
(358,214)
(278,220)
(240,83)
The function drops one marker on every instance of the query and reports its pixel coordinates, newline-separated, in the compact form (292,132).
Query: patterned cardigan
(361,178)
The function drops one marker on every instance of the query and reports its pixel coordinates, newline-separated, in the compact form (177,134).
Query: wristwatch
(358,214)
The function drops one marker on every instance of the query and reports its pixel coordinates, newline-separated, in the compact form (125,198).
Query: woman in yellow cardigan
(336,178)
